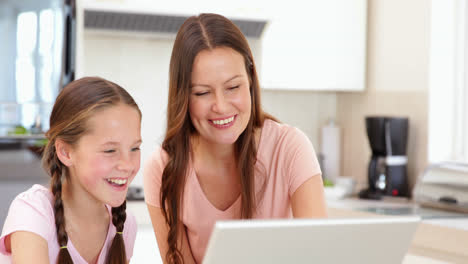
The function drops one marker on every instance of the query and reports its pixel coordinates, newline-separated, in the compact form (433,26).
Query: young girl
(92,156)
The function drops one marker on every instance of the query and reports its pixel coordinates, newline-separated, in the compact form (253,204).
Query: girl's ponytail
(117,254)
(54,167)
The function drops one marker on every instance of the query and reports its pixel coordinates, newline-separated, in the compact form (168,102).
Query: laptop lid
(359,240)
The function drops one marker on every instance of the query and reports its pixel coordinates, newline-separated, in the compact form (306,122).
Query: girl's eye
(234,87)
(109,151)
(135,149)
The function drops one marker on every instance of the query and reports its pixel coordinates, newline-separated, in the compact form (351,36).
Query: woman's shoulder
(152,175)
(158,157)
(275,132)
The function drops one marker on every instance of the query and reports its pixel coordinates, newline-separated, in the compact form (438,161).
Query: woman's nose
(220,103)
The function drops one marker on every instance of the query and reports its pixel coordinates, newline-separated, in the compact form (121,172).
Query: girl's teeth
(224,121)
(118,181)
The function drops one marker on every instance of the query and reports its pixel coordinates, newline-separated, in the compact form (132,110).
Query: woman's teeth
(224,121)
(117,181)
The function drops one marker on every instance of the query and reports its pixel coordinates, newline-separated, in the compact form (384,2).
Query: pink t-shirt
(285,160)
(33,211)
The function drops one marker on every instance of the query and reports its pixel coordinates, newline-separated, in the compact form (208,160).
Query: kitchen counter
(441,237)
(433,243)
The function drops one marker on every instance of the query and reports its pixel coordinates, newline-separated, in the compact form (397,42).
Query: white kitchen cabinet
(306,45)
(315,45)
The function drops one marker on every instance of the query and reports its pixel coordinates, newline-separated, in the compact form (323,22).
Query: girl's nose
(125,163)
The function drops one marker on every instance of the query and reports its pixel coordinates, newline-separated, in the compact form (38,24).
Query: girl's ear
(63,151)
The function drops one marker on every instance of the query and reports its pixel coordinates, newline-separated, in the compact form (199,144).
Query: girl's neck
(81,204)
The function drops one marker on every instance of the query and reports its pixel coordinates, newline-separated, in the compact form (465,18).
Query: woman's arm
(161,230)
(27,247)
(308,200)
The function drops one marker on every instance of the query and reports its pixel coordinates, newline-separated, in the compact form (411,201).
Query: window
(36,57)
(448,82)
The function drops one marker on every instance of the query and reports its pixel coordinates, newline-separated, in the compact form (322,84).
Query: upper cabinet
(298,45)
(315,45)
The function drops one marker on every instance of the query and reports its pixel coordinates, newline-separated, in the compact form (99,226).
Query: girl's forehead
(114,124)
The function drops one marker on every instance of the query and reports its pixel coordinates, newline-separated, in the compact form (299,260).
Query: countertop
(441,237)
(437,241)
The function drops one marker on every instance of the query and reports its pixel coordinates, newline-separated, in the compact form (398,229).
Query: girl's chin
(116,202)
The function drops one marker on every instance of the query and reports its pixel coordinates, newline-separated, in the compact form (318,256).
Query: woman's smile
(223,123)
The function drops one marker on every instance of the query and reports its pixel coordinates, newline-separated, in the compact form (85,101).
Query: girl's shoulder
(37,196)
(32,211)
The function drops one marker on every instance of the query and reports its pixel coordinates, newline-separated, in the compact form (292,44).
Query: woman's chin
(226,139)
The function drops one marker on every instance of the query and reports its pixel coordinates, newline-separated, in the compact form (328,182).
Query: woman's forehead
(219,64)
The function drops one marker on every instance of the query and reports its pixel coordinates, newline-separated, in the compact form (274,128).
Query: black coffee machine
(387,167)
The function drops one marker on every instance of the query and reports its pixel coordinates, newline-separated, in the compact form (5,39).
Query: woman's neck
(212,152)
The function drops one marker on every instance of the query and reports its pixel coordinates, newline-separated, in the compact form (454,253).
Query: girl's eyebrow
(112,143)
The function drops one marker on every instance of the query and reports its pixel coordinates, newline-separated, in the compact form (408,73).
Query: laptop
(359,240)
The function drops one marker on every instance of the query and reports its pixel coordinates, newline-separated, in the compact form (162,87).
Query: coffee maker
(387,167)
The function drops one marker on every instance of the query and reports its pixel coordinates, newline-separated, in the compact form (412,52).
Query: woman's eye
(201,93)
(135,149)
(109,151)
(234,87)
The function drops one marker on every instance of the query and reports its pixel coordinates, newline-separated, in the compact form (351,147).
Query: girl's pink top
(33,211)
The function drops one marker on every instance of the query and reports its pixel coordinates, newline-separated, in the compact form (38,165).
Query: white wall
(141,66)
(397,84)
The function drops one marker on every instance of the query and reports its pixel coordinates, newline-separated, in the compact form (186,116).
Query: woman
(222,156)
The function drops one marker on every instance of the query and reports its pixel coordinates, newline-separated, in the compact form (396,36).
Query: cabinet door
(315,45)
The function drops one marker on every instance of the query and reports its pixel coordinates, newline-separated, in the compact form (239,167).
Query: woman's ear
(63,151)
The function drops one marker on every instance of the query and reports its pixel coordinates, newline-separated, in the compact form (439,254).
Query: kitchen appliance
(387,172)
(443,186)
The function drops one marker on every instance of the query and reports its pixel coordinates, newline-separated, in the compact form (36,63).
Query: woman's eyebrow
(206,85)
(236,76)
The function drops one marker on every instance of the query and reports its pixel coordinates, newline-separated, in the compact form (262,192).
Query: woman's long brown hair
(203,32)
(74,105)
